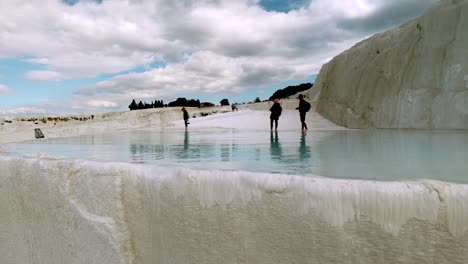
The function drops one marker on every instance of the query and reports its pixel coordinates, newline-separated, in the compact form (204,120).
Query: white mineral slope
(259,120)
(20,129)
(414,77)
(70,211)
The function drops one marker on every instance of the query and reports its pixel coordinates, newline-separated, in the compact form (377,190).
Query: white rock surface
(414,77)
(21,129)
(70,211)
(251,116)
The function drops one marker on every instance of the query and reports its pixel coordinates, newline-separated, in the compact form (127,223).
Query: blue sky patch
(282,5)
(28,92)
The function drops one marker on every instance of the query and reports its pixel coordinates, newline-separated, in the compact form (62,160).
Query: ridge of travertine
(75,211)
(411,77)
(250,116)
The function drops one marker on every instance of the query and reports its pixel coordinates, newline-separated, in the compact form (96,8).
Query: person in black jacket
(186,117)
(304,106)
(275,113)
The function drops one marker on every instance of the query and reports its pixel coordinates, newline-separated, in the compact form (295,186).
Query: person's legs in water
(271,123)
(304,125)
(186,123)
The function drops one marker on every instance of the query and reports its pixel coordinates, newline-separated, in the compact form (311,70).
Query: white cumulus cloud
(22,110)
(206,45)
(43,75)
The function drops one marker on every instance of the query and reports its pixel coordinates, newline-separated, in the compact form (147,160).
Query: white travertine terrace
(56,210)
(71,211)
(415,76)
(251,116)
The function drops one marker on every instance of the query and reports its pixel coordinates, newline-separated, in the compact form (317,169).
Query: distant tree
(145,105)
(257,100)
(158,104)
(290,90)
(194,103)
(224,102)
(181,101)
(206,104)
(133,105)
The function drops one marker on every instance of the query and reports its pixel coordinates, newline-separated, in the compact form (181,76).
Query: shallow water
(377,154)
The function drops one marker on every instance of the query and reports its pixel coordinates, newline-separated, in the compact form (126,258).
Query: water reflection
(275,146)
(393,154)
(344,154)
(304,150)
(186,140)
(144,152)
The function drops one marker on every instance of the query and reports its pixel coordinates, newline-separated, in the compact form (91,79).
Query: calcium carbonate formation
(73,211)
(415,76)
(70,211)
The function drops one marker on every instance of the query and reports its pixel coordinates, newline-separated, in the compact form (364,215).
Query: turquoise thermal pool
(352,154)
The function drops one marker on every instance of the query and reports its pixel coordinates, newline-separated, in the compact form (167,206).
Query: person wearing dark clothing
(304,106)
(275,113)
(186,117)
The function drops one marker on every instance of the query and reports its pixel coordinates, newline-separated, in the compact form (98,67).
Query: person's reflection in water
(275,145)
(183,151)
(304,150)
(137,152)
(133,151)
(186,140)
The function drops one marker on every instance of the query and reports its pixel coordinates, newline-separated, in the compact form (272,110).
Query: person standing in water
(303,108)
(275,113)
(186,117)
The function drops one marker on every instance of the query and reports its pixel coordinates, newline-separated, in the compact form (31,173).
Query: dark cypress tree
(133,105)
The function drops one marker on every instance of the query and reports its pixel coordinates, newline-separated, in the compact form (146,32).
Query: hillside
(412,77)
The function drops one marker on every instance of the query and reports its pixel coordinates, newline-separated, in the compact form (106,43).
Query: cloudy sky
(97,55)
